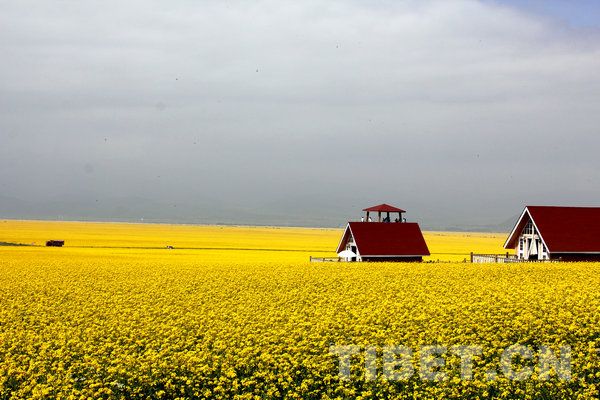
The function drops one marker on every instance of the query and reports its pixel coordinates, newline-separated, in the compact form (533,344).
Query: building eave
(348,229)
(355,242)
(342,238)
(513,232)
(538,232)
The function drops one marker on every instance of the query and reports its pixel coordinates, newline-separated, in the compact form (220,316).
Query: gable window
(528,230)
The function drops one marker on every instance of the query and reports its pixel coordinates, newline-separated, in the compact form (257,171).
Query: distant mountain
(329,210)
(136,209)
(505,226)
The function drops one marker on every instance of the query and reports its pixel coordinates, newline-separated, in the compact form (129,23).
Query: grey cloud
(295,112)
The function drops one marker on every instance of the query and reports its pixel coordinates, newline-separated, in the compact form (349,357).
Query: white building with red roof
(556,233)
(384,239)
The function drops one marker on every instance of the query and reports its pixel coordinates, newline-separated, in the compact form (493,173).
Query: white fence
(494,258)
(327,259)
(502,258)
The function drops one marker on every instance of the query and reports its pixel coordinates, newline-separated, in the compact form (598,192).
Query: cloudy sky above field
(295,112)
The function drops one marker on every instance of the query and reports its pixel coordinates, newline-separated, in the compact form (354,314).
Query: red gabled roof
(384,208)
(563,229)
(386,239)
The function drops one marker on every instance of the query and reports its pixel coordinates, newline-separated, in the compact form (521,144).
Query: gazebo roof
(384,208)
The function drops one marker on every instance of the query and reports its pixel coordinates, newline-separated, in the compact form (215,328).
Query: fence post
(471,257)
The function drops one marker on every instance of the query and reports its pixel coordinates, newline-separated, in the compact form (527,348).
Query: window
(528,230)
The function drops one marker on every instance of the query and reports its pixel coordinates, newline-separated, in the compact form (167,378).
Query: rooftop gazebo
(384,208)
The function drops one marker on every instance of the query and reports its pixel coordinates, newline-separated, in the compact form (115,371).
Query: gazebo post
(384,210)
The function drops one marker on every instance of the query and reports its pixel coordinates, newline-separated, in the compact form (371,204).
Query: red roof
(386,239)
(563,229)
(384,208)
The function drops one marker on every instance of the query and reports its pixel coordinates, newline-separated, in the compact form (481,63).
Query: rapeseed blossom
(248,324)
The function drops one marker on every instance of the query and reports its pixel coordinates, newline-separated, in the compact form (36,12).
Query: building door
(353,248)
(533,249)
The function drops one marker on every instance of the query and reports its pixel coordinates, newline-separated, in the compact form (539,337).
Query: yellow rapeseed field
(444,246)
(240,313)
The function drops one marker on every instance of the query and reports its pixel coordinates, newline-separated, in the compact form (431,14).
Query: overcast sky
(299,112)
